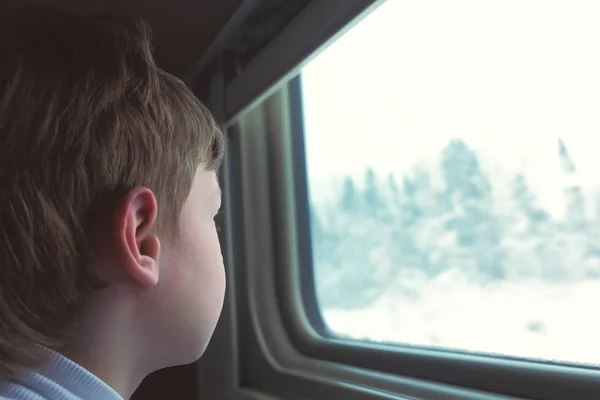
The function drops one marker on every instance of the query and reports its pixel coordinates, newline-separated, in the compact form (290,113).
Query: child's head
(108,194)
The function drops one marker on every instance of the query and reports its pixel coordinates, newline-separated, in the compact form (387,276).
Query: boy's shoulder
(10,390)
(59,379)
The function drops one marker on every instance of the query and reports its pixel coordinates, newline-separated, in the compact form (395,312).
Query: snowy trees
(447,216)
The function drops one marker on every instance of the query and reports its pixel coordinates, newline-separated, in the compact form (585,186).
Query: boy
(110,262)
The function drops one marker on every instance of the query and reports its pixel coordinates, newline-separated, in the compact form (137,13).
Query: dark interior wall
(178,383)
(182,28)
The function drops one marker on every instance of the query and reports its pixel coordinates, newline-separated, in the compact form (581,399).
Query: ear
(137,237)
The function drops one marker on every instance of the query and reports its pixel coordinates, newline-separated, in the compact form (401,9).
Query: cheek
(195,263)
(192,291)
(205,279)
(210,269)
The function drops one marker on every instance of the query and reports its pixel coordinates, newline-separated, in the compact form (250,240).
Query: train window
(452,163)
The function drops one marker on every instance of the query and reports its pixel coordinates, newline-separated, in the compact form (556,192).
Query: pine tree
(575,215)
(468,203)
(348,277)
(567,164)
(531,250)
(593,245)
(372,197)
(415,230)
(393,189)
(349,198)
(577,233)
(526,203)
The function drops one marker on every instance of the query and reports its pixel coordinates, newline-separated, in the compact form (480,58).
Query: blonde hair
(85,115)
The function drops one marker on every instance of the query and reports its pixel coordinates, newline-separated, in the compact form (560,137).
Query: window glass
(454,177)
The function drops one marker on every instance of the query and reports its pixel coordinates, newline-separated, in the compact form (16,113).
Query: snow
(528,319)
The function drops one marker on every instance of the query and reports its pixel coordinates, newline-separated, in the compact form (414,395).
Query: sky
(507,76)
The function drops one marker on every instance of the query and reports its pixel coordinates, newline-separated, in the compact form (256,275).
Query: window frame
(512,376)
(271,341)
(265,359)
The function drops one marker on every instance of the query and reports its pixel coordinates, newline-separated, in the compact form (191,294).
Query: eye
(220,220)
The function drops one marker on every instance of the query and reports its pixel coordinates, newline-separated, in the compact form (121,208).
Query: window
(454,182)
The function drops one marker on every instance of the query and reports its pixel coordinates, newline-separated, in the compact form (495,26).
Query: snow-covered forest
(454,254)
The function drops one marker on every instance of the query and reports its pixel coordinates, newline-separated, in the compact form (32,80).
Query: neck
(116,370)
(111,346)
